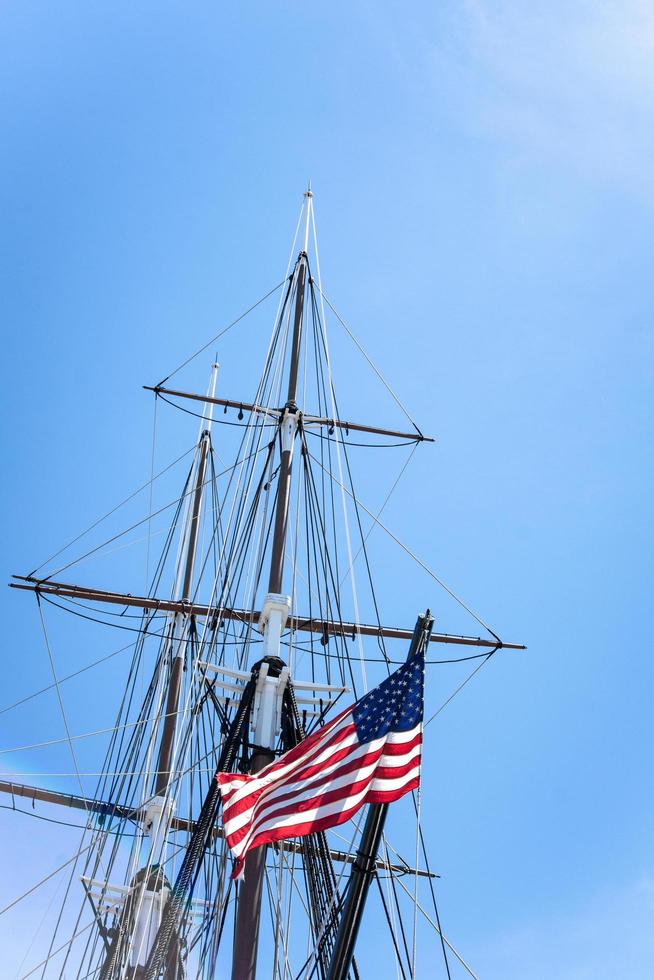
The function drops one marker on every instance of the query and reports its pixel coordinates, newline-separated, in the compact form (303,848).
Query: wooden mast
(179,656)
(248,908)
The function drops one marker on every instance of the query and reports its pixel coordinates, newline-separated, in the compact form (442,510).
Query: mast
(141,914)
(275,614)
(190,541)
(177,667)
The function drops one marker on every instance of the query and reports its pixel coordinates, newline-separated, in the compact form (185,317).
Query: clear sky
(485,198)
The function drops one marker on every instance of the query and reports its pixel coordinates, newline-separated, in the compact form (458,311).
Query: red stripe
(231,781)
(395,772)
(389,796)
(297,830)
(398,748)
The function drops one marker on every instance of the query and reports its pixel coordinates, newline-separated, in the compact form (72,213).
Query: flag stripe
(401,743)
(378,763)
(278,808)
(324,808)
(331,816)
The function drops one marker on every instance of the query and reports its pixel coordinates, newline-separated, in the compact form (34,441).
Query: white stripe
(392,761)
(396,738)
(389,785)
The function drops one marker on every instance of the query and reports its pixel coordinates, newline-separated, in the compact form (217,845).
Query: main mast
(276,610)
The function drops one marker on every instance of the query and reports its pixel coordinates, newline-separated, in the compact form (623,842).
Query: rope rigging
(130,862)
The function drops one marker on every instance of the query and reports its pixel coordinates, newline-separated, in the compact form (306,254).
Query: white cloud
(570,84)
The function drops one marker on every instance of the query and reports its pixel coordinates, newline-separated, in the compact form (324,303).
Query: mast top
(308,196)
(211,393)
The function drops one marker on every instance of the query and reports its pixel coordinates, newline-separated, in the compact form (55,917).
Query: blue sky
(484,199)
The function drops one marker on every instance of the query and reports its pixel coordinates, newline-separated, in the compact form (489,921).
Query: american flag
(370,753)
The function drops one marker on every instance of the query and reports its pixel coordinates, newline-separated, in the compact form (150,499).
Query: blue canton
(396,705)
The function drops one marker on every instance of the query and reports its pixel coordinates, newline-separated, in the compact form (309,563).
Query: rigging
(153,863)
